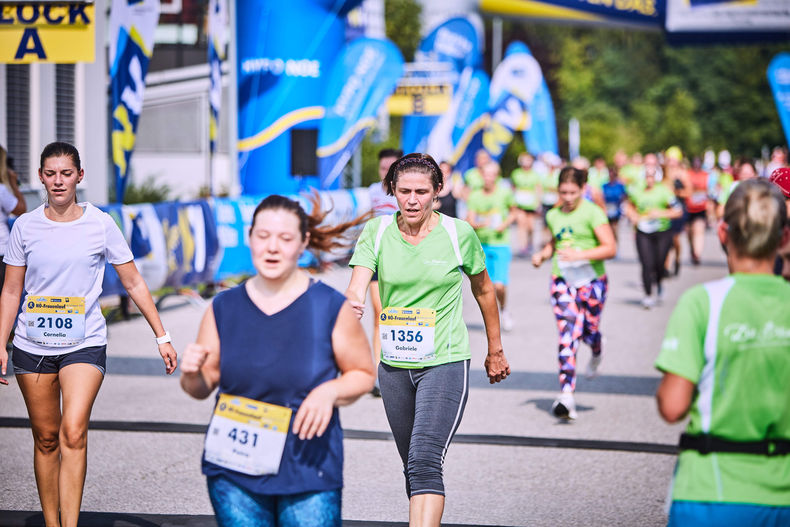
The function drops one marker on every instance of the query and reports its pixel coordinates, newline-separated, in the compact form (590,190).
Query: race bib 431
(247,436)
(55,320)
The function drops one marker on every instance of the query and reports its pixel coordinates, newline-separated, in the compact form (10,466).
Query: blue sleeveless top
(278,359)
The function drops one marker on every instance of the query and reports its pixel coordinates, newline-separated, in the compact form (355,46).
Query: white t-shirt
(381,202)
(7,203)
(65,262)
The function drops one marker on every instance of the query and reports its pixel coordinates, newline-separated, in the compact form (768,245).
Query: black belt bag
(706,443)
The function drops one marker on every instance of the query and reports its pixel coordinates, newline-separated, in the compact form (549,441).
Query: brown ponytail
(323,239)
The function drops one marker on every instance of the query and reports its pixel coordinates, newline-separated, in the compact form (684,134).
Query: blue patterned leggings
(237,507)
(578,314)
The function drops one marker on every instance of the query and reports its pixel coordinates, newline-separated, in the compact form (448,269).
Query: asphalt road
(512,463)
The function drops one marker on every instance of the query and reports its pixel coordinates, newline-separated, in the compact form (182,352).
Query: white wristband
(164,339)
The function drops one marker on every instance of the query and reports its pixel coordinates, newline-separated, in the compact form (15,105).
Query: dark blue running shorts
(25,362)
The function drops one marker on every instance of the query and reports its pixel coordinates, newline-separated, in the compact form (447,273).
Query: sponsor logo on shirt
(770,333)
(435,262)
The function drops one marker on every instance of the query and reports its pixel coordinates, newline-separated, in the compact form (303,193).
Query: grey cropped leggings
(424,408)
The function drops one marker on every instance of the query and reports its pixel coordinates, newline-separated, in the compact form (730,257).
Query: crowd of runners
(282,351)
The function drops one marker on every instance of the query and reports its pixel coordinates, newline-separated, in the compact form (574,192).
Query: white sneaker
(592,366)
(505,320)
(660,296)
(564,406)
(648,302)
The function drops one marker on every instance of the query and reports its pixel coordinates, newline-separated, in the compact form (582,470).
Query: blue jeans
(237,507)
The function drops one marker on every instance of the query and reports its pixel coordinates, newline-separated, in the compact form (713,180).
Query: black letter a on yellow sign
(30,43)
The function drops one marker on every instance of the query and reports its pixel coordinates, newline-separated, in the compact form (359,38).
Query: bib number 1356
(407,334)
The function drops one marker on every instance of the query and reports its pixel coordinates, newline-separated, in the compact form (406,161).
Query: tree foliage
(632,90)
(403,25)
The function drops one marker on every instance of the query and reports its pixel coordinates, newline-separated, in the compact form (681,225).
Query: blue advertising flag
(362,78)
(513,87)
(132,26)
(455,41)
(779,79)
(285,53)
(542,134)
(471,118)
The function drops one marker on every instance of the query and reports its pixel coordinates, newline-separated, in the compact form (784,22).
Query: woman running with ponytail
(285,351)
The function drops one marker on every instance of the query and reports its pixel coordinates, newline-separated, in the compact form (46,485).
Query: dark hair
(390,152)
(322,239)
(746,161)
(421,163)
(755,215)
(573,175)
(60,149)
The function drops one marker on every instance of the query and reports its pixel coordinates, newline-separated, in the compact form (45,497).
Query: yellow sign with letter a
(47,32)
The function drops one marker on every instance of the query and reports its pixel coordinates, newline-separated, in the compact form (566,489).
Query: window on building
(18,118)
(64,103)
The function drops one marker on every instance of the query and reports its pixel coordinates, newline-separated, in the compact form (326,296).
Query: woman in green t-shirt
(581,240)
(725,360)
(421,256)
(650,209)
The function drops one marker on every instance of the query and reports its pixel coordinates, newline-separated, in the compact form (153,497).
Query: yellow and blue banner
(457,42)
(779,79)
(132,27)
(47,32)
(471,118)
(513,87)
(645,13)
(362,77)
(217,45)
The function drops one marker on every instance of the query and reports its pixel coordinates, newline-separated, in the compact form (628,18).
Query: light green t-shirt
(493,209)
(576,230)
(550,183)
(741,373)
(660,197)
(631,174)
(597,178)
(526,184)
(425,276)
(473,178)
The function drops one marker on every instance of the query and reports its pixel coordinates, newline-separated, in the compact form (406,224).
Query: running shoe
(660,296)
(592,367)
(506,320)
(564,406)
(648,302)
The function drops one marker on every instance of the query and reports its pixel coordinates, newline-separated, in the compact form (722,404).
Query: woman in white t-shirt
(11,202)
(57,254)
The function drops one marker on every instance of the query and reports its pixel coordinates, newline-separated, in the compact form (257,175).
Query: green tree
(402,20)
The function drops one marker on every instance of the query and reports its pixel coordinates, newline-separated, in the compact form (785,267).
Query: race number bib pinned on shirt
(577,273)
(525,198)
(649,226)
(55,320)
(699,197)
(407,334)
(550,198)
(247,436)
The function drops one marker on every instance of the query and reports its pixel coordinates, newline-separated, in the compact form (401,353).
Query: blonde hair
(755,215)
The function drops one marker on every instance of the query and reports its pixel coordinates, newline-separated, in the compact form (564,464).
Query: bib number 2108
(55,321)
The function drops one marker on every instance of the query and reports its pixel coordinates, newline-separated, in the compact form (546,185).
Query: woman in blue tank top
(285,351)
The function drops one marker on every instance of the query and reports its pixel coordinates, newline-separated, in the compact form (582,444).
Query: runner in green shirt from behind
(726,361)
